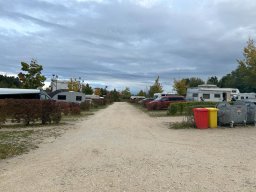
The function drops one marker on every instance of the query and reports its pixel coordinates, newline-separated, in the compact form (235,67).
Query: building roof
(51,94)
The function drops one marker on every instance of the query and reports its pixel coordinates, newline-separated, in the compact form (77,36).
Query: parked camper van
(251,97)
(211,93)
(9,93)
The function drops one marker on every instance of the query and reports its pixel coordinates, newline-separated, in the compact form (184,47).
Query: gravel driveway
(123,149)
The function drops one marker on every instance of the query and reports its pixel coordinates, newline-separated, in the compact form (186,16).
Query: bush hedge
(185,108)
(47,111)
(29,110)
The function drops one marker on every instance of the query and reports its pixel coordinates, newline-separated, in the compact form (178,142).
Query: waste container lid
(200,109)
(212,109)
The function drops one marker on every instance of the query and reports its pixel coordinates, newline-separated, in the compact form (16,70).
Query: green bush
(185,108)
(172,110)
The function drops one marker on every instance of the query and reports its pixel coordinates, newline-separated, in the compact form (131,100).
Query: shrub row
(69,108)
(185,108)
(46,111)
(29,110)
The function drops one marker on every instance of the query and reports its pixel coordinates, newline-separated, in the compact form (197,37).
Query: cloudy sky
(122,43)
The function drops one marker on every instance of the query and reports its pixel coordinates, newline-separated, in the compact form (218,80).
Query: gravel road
(121,148)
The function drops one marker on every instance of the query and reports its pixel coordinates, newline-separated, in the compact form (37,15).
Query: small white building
(211,93)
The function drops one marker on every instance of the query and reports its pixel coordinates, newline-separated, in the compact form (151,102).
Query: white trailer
(246,97)
(211,93)
(70,96)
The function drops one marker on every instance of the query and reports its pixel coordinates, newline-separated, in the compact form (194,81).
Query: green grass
(14,143)
(182,125)
(152,113)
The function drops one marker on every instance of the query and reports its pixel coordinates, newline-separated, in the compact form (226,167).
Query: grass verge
(15,143)
(153,113)
(182,125)
(17,138)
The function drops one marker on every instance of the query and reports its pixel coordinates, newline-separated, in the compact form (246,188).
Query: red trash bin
(201,117)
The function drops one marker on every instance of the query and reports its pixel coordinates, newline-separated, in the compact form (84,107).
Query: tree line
(242,78)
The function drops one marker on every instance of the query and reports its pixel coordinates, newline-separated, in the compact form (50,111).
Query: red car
(164,102)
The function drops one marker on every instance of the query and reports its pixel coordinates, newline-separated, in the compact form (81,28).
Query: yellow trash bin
(212,120)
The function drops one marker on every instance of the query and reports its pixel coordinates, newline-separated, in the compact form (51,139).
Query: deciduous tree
(126,93)
(180,86)
(155,88)
(87,89)
(213,80)
(243,77)
(142,93)
(31,76)
(74,85)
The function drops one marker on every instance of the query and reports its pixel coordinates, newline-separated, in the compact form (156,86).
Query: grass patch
(34,125)
(17,138)
(182,125)
(14,143)
(152,113)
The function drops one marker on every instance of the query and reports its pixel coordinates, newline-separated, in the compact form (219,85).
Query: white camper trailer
(70,96)
(211,93)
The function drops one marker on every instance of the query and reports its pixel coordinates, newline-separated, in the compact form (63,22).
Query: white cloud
(125,42)
(9,26)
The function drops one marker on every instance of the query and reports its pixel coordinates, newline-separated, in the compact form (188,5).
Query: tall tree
(32,77)
(194,82)
(103,91)
(213,80)
(243,77)
(247,66)
(155,88)
(180,86)
(74,85)
(87,89)
(126,93)
(142,93)
(114,95)
(97,91)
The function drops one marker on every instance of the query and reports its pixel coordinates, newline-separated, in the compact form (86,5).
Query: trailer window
(216,95)
(206,96)
(61,97)
(78,98)
(195,94)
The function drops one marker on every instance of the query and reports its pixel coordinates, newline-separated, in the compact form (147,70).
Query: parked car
(164,102)
(145,101)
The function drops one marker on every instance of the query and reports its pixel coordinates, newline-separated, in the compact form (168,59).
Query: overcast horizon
(126,43)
